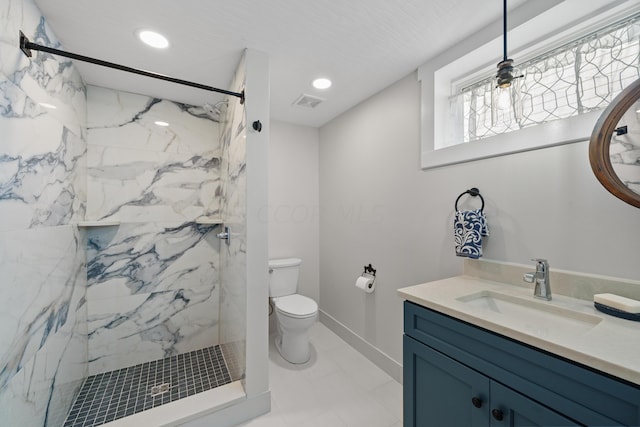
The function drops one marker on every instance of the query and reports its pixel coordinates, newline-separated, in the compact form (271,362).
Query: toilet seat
(296,306)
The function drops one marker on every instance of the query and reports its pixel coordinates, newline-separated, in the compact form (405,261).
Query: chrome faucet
(541,279)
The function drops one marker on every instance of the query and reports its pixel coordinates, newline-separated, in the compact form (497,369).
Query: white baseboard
(375,355)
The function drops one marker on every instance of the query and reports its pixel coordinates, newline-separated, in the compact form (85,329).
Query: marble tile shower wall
(42,197)
(233,311)
(153,287)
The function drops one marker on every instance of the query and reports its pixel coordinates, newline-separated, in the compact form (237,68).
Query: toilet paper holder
(368,269)
(366,281)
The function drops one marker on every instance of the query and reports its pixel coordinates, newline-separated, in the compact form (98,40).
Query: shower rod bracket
(23,45)
(26,46)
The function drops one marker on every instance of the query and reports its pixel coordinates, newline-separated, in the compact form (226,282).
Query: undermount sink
(532,316)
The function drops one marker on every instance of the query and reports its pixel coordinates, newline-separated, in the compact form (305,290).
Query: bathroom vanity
(480,352)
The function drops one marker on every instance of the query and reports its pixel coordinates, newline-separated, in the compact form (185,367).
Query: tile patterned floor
(338,387)
(116,394)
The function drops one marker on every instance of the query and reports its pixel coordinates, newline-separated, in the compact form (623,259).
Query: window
(576,55)
(582,76)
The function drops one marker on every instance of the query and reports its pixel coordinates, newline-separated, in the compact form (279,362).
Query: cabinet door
(510,408)
(438,391)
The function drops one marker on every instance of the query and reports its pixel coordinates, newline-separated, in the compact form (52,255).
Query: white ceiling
(363,46)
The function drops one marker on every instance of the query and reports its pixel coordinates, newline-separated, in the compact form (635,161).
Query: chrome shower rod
(26,46)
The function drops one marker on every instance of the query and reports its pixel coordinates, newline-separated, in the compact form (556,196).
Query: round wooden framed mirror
(614,148)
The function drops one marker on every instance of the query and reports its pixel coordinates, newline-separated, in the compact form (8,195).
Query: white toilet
(295,314)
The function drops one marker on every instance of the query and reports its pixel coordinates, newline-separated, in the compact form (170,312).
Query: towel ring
(472,192)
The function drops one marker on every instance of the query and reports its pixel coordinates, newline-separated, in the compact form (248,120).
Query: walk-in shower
(118,298)
(155,262)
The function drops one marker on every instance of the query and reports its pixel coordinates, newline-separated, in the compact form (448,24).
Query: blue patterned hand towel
(469,227)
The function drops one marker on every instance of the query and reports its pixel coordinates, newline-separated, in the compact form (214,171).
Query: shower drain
(159,389)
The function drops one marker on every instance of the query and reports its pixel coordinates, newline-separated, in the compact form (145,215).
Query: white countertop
(610,344)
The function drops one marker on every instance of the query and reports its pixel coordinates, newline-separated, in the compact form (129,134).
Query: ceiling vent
(307,101)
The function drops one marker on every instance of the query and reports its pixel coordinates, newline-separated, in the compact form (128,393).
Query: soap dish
(617,313)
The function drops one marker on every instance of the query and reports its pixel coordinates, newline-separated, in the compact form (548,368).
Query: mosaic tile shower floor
(116,394)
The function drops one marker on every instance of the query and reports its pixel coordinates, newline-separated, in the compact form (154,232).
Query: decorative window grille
(579,77)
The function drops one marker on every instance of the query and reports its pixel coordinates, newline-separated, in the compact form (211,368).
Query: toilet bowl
(295,313)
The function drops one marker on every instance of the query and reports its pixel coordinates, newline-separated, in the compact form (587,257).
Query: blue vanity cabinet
(443,392)
(457,374)
(432,380)
(438,391)
(510,408)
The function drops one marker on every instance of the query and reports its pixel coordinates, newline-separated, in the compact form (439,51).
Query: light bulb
(504,98)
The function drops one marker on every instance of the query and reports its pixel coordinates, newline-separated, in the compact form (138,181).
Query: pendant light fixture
(506,92)
(506,72)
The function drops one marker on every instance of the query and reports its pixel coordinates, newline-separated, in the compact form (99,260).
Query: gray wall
(293,212)
(378,206)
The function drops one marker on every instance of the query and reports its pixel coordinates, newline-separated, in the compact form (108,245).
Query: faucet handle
(541,264)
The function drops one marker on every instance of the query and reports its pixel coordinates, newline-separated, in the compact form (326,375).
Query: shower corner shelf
(98,223)
(209,221)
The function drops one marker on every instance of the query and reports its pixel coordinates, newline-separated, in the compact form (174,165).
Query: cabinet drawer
(590,397)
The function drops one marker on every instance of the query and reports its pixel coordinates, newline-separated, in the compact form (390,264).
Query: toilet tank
(283,276)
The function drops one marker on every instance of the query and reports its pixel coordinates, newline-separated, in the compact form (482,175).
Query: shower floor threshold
(121,394)
(180,411)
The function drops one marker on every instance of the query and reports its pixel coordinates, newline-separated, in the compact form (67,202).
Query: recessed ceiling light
(161,123)
(153,39)
(322,83)
(47,105)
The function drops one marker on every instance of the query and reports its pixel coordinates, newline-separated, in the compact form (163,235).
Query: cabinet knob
(477,402)
(497,414)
